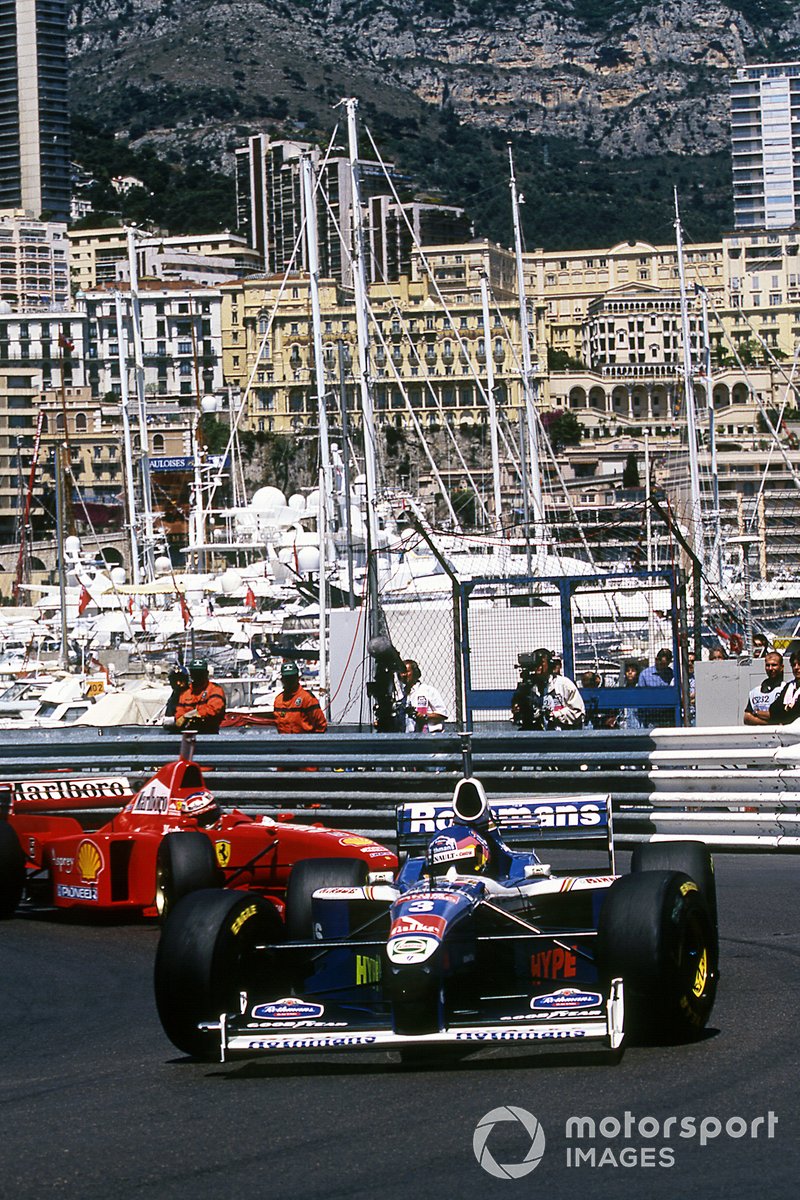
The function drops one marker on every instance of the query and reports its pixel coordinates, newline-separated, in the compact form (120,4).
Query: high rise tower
(34,114)
(765,138)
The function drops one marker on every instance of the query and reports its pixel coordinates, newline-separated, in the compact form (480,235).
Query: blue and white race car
(475,941)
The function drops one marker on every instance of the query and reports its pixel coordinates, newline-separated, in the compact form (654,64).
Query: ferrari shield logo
(223,850)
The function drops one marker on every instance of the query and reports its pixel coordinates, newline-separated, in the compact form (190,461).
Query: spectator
(296,709)
(422,704)
(659,675)
(785,708)
(596,718)
(690,659)
(556,664)
(717,654)
(629,717)
(546,701)
(201,705)
(757,709)
(761,646)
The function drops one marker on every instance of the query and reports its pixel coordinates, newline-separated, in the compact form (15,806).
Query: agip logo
(528,1123)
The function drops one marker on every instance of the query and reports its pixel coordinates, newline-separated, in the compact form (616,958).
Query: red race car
(170,838)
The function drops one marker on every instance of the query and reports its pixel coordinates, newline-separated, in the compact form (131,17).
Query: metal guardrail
(734,788)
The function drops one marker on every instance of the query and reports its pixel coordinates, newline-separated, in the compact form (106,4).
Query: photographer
(543,700)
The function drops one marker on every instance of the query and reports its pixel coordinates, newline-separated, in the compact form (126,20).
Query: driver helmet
(460,847)
(178,675)
(203,807)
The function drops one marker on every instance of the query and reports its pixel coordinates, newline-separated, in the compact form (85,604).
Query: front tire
(655,932)
(307,877)
(692,858)
(12,871)
(206,958)
(186,863)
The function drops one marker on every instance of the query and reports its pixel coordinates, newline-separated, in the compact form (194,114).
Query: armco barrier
(734,788)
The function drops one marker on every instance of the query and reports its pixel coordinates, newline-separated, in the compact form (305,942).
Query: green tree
(563,429)
(630,474)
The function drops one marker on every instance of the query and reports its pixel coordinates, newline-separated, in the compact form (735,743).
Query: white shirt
(425,698)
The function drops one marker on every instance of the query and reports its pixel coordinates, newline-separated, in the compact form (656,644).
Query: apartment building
(765,145)
(34,263)
(99,257)
(426,359)
(34,109)
(181,338)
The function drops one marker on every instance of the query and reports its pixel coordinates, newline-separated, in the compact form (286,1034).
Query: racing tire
(655,932)
(185,863)
(12,871)
(692,858)
(307,876)
(207,957)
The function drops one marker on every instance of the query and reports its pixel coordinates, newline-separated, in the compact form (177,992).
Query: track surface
(96,1103)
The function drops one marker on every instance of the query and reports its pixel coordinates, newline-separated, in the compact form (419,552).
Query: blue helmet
(459,847)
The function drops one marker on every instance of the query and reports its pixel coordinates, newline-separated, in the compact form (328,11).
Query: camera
(389,712)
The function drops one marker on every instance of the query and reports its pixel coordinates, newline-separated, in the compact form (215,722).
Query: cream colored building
(425,359)
(34,263)
(100,257)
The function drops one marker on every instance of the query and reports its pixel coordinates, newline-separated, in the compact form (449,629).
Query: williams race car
(170,838)
(475,942)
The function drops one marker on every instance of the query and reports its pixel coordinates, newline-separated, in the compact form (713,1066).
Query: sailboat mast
(716,555)
(490,398)
(312,249)
(138,363)
(367,412)
(528,386)
(127,447)
(695,522)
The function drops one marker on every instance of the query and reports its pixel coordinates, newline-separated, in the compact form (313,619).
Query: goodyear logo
(243,916)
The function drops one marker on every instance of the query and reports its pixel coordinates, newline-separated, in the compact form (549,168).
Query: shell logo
(89,862)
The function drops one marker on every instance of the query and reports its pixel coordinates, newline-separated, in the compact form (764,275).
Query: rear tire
(307,876)
(12,871)
(206,957)
(655,932)
(186,863)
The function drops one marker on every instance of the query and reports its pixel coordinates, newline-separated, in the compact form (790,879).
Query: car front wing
(342,1029)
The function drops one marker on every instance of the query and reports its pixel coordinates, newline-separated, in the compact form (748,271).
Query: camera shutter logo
(529,1123)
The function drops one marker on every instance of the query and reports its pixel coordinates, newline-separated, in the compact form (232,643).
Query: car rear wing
(525,821)
(51,794)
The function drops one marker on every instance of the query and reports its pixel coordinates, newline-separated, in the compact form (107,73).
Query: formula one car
(475,942)
(169,839)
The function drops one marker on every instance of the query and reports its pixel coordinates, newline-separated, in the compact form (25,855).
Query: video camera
(389,712)
(527,703)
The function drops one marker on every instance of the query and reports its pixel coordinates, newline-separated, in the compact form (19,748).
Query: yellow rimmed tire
(656,933)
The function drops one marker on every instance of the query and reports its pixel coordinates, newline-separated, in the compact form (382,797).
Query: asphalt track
(96,1103)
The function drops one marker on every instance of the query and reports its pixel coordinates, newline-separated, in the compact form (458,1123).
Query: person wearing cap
(202,704)
(296,709)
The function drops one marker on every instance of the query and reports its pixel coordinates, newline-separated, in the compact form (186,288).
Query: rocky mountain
(578,82)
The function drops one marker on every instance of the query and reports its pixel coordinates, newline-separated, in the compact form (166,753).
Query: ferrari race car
(475,942)
(168,839)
